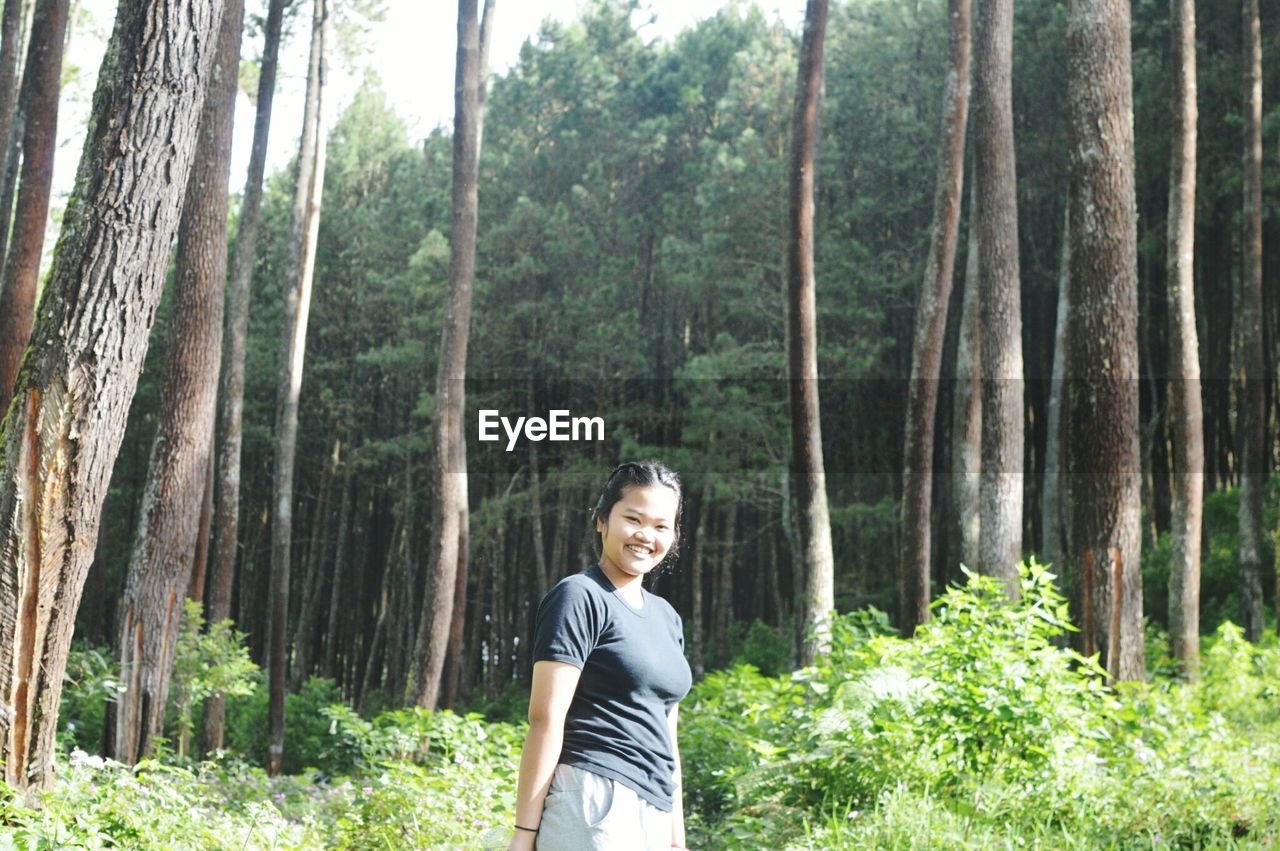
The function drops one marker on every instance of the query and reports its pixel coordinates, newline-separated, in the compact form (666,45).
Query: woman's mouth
(640,550)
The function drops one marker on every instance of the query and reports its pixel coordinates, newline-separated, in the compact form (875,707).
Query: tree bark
(1051,500)
(931,323)
(1186,409)
(11,26)
(1254,454)
(41,86)
(1103,467)
(450,508)
(160,568)
(301,267)
(227,506)
(808,476)
(966,414)
(1000,311)
(200,561)
(63,436)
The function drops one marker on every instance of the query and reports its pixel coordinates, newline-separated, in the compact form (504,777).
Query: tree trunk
(1051,500)
(966,414)
(450,508)
(724,588)
(302,257)
(41,86)
(1254,452)
(697,656)
(457,620)
(340,550)
(1000,311)
(227,506)
(1186,411)
(808,476)
(313,584)
(65,432)
(200,561)
(931,324)
(11,26)
(160,568)
(1103,467)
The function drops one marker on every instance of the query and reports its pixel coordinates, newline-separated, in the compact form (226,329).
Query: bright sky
(412,50)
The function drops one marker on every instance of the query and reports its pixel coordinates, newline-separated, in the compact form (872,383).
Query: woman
(600,768)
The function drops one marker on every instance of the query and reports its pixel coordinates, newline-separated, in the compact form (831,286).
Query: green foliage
(1219,563)
(766,648)
(981,731)
(91,681)
(309,743)
(207,663)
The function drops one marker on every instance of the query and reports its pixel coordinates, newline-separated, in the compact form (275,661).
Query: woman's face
(640,529)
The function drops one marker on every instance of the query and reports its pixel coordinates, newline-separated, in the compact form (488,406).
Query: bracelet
(529,829)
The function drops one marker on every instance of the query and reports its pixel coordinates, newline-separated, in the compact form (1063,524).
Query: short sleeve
(568,626)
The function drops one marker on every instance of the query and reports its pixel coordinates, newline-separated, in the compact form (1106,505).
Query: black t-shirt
(633,673)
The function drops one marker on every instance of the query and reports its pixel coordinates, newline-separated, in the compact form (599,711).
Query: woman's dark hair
(641,474)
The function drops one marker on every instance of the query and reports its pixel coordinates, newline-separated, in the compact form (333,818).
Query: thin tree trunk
(697,656)
(1254,454)
(1103,467)
(160,568)
(340,549)
(931,324)
(1051,501)
(541,585)
(302,256)
(64,434)
(450,508)
(457,620)
(41,86)
(1000,312)
(966,414)
(808,476)
(313,584)
(200,561)
(227,508)
(10,44)
(1186,410)
(724,587)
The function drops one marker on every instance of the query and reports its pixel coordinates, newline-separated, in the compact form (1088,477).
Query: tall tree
(808,476)
(301,267)
(1254,452)
(1051,497)
(931,323)
(165,544)
(41,85)
(78,379)
(999,286)
(231,392)
(1103,468)
(449,511)
(966,413)
(1186,410)
(11,26)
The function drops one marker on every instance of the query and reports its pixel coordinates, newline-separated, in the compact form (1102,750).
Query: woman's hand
(522,841)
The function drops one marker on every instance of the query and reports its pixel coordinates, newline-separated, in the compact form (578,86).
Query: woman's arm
(677,797)
(553,686)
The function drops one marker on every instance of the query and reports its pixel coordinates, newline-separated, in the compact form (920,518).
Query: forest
(952,316)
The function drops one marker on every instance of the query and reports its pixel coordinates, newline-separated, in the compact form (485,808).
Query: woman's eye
(662,528)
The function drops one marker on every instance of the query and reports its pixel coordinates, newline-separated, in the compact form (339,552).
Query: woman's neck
(628,585)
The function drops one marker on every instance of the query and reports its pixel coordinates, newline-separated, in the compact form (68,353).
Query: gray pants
(588,812)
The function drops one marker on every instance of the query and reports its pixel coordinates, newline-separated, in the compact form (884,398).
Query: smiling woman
(601,767)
